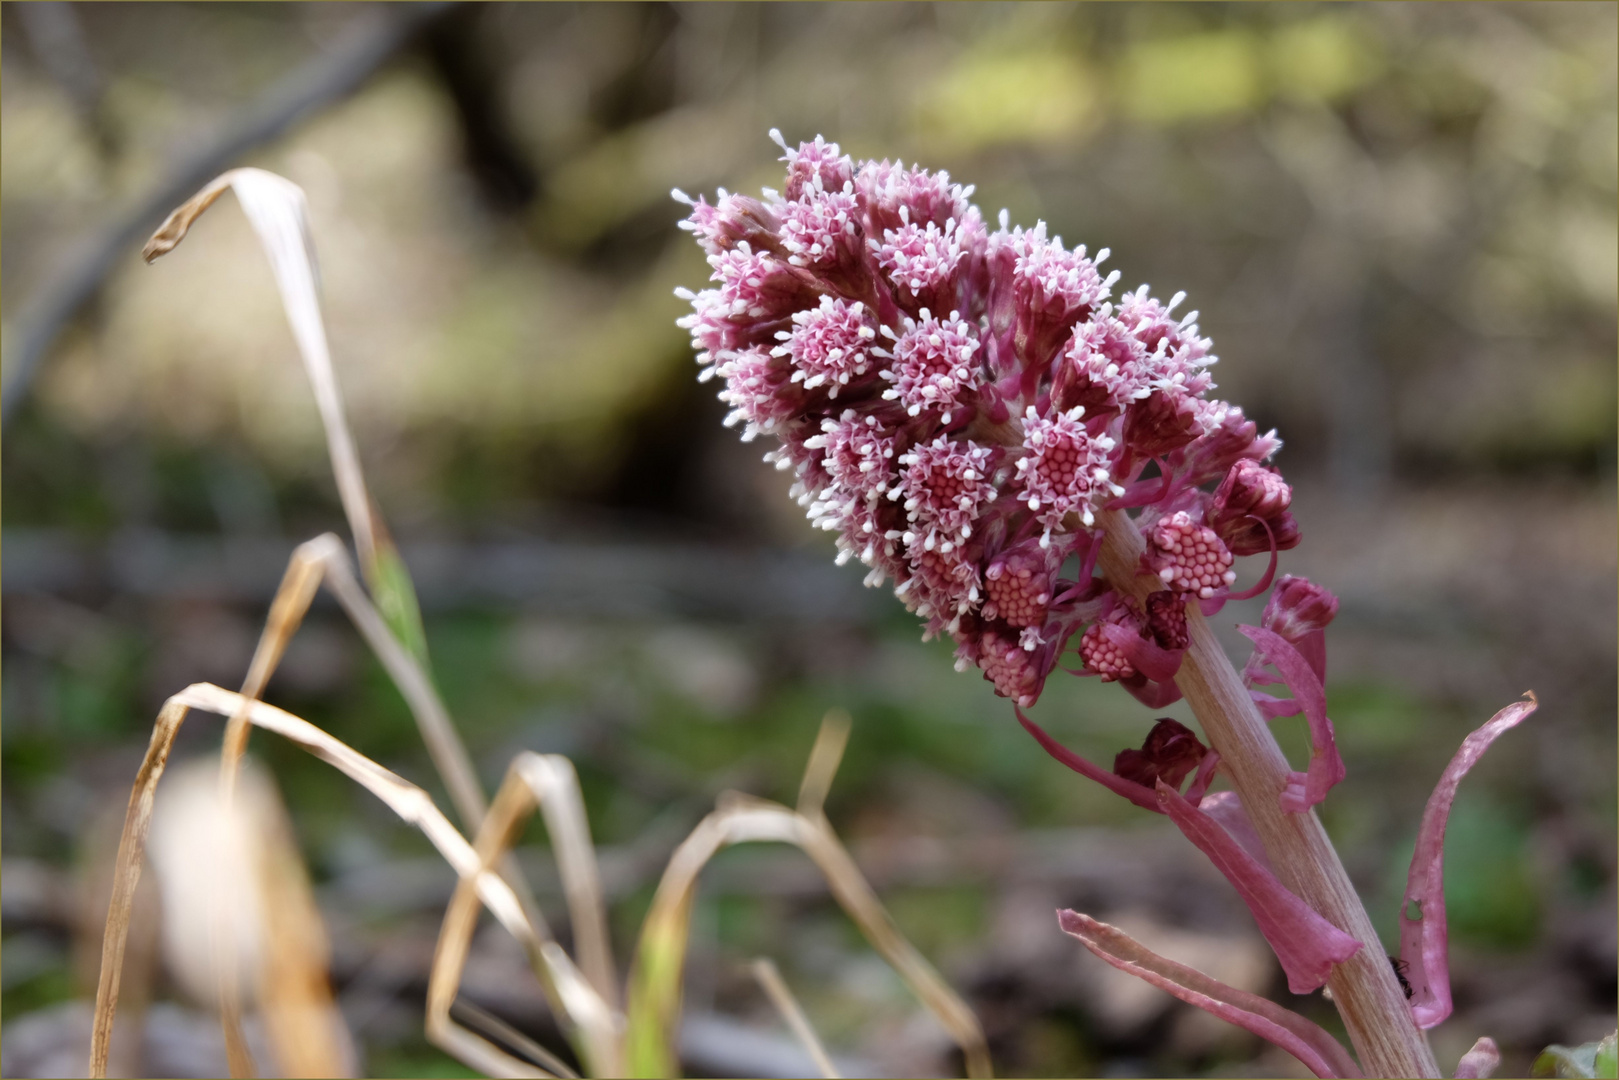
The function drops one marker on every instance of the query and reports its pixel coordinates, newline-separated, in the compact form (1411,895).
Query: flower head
(1018,586)
(1103,655)
(1064,469)
(944,483)
(969,457)
(829,344)
(921,262)
(960,403)
(814,166)
(1189,556)
(894,196)
(934,364)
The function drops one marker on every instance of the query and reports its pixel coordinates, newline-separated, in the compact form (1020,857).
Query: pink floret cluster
(959,404)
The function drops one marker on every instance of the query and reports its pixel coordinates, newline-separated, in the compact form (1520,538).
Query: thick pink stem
(1364,987)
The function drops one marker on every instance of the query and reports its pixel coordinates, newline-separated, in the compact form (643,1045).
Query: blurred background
(1398,222)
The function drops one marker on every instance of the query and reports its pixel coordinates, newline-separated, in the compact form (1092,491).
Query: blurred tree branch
(363,47)
(473,78)
(56,38)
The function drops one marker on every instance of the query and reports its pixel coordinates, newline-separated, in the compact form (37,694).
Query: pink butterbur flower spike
(971,411)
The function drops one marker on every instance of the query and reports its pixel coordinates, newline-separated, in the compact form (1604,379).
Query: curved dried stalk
(653,1011)
(825,757)
(126,876)
(410,802)
(546,781)
(499,1029)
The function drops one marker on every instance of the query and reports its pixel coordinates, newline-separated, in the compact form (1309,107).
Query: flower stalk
(1364,987)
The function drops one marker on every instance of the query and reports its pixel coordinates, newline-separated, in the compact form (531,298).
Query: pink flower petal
(1274,708)
(1313,647)
(1326,767)
(1265,579)
(1305,943)
(1154,695)
(1226,808)
(1424,939)
(1479,1062)
(1319,1051)
(1205,776)
(1139,794)
(1146,656)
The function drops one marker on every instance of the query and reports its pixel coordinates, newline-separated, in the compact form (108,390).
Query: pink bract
(1424,937)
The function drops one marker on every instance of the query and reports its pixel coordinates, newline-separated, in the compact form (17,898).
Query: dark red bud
(1165,420)
(1170,753)
(1166,619)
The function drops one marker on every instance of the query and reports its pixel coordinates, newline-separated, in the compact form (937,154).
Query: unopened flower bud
(1102,656)
(1189,557)
(1166,420)
(1230,437)
(1250,494)
(1297,607)
(1015,672)
(1017,585)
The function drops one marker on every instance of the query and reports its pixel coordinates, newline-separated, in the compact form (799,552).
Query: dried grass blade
(512,801)
(287,610)
(775,988)
(438,733)
(279,214)
(653,1011)
(307,1032)
(853,892)
(549,782)
(555,784)
(410,802)
(653,1007)
(407,800)
(824,759)
(126,876)
(495,1027)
